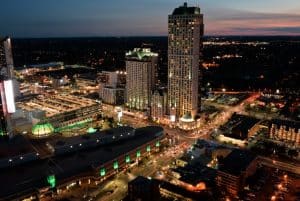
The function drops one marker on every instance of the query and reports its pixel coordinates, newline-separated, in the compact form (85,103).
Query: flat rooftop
(56,104)
(31,176)
(196,173)
(114,133)
(237,161)
(16,146)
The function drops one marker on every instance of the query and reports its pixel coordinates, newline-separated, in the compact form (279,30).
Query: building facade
(7,64)
(112,87)
(6,59)
(8,87)
(141,66)
(142,188)
(185,31)
(286,131)
(112,78)
(112,95)
(158,104)
(236,168)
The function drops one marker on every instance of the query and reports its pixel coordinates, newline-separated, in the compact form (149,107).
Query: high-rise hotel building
(141,67)
(185,32)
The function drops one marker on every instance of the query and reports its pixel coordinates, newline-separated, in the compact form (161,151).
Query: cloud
(236,22)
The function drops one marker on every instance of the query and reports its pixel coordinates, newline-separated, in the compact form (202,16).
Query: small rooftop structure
(140,54)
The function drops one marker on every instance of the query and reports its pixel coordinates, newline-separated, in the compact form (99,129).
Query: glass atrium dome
(42,129)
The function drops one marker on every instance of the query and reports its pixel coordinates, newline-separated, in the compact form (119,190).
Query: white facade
(158,104)
(141,66)
(112,87)
(112,95)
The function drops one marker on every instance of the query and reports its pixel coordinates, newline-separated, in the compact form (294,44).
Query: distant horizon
(77,18)
(141,36)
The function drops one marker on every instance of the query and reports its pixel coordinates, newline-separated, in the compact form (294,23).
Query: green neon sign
(102,172)
(157,144)
(148,148)
(116,165)
(51,181)
(127,159)
(138,153)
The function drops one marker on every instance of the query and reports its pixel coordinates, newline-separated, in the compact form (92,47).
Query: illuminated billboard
(9,96)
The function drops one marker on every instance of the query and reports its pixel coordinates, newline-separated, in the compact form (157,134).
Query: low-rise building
(142,188)
(112,87)
(112,95)
(158,104)
(287,131)
(233,171)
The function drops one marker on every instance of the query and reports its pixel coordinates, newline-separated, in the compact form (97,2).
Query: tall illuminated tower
(185,32)
(6,58)
(7,85)
(141,66)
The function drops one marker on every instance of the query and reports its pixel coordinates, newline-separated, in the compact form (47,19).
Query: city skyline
(181,117)
(142,18)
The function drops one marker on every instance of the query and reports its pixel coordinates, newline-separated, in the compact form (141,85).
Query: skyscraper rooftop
(185,10)
(140,54)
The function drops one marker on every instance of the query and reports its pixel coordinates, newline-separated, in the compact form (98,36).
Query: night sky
(67,18)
